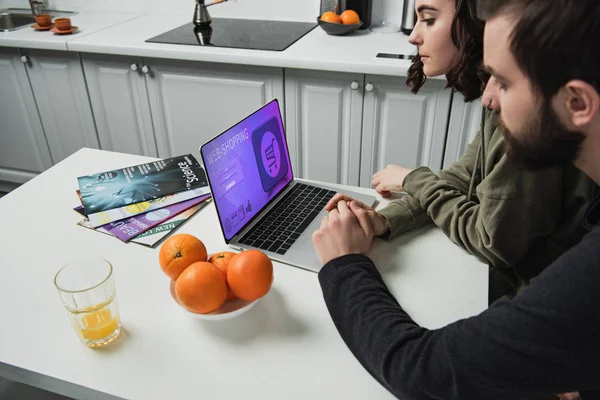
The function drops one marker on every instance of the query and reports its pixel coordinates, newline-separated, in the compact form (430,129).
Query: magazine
(129,228)
(155,235)
(139,183)
(117,214)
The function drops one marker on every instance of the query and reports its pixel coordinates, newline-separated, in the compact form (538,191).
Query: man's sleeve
(543,342)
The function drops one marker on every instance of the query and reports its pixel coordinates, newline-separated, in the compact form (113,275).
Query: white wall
(293,10)
(297,10)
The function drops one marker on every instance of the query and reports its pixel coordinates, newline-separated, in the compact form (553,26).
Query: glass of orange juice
(87,290)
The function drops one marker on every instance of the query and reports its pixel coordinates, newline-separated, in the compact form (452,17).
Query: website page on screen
(247,166)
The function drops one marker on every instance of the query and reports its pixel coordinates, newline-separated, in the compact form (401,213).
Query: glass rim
(110,271)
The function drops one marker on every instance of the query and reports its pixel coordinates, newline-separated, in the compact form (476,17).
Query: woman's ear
(581,103)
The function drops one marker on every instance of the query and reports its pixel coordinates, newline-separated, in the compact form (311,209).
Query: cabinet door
(402,128)
(23,148)
(61,95)
(192,102)
(465,121)
(119,99)
(323,123)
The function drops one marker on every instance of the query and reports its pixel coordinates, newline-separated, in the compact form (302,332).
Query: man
(544,58)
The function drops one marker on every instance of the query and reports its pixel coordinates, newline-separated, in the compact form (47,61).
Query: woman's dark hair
(468,75)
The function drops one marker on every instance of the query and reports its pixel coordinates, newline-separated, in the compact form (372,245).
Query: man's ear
(581,102)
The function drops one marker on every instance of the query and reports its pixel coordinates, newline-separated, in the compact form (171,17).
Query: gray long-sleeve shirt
(544,341)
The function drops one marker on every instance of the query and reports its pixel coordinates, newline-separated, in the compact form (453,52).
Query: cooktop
(238,33)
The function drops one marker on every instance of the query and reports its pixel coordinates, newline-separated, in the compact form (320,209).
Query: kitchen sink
(16,18)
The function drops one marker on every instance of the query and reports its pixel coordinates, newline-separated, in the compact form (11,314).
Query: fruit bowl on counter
(339,25)
(221,286)
(229,309)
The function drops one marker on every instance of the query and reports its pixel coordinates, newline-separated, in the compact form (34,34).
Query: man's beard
(543,142)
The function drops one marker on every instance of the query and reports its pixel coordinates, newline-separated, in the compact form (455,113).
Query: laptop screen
(247,166)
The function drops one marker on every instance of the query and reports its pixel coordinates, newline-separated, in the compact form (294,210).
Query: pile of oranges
(203,284)
(348,17)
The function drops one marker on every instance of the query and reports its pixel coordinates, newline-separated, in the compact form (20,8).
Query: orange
(330,16)
(349,17)
(180,251)
(221,260)
(249,274)
(201,288)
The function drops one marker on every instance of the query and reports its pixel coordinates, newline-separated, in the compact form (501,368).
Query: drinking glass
(87,290)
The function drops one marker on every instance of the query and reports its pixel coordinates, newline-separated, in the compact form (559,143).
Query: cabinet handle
(25,59)
(145,69)
(354,85)
(369,87)
(134,67)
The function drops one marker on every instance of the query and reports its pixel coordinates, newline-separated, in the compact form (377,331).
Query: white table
(286,347)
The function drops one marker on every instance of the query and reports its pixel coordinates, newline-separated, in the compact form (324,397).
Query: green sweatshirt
(508,217)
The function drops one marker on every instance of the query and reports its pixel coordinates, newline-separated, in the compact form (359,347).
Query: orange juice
(99,325)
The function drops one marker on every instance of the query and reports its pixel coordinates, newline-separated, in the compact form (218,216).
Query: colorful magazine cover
(117,214)
(139,183)
(129,228)
(155,235)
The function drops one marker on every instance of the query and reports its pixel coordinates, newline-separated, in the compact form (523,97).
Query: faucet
(38,6)
(201,15)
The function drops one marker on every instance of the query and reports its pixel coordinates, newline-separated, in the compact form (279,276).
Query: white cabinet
(343,127)
(465,122)
(163,108)
(23,148)
(117,89)
(192,102)
(323,124)
(402,128)
(60,92)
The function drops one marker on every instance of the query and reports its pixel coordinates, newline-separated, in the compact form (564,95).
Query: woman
(517,221)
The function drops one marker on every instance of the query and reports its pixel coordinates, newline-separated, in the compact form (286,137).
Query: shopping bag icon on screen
(270,153)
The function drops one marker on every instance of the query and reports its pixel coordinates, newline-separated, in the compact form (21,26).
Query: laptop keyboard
(282,226)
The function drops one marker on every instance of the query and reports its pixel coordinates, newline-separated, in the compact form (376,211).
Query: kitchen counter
(88,22)
(127,34)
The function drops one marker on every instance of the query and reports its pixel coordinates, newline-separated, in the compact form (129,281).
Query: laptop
(259,203)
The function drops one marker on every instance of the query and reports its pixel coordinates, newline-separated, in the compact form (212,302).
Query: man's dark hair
(468,75)
(553,41)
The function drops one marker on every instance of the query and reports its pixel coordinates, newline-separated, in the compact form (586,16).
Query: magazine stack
(143,203)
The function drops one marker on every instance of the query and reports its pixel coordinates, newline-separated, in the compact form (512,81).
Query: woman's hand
(390,180)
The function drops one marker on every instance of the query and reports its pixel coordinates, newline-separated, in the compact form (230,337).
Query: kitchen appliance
(362,7)
(238,33)
(329,5)
(409,17)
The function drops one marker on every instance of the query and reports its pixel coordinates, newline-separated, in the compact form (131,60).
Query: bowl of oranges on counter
(343,24)
(221,286)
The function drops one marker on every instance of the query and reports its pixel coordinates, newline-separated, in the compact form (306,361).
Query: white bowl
(229,309)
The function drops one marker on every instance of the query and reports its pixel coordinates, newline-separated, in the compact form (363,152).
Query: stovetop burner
(238,33)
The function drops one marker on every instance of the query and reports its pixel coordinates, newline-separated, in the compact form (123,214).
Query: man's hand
(378,222)
(344,231)
(390,180)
